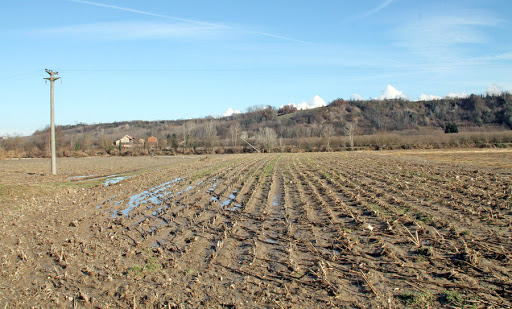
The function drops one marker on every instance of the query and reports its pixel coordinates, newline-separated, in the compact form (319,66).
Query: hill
(339,124)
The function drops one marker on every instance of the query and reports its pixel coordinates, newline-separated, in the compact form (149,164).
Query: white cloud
(453,95)
(357,97)
(428,97)
(494,90)
(315,102)
(230,112)
(391,93)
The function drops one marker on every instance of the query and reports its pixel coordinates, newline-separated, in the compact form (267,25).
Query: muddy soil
(351,230)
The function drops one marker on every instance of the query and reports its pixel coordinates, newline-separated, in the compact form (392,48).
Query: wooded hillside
(339,124)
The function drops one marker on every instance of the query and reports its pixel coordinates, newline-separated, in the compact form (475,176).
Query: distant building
(5,138)
(126,141)
(152,142)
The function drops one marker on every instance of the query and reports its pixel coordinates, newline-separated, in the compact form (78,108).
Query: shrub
(451,128)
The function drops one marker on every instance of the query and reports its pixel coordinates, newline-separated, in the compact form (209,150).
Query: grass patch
(79,185)
(3,191)
(453,298)
(152,264)
(417,299)
(136,269)
(206,172)
(379,211)
(270,167)
(425,250)
(423,217)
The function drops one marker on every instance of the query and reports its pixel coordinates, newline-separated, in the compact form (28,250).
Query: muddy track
(269,230)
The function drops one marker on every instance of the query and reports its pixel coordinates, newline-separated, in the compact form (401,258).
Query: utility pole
(52,78)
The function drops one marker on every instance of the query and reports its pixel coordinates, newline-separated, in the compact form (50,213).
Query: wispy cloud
(382,6)
(136,30)
(276,36)
(202,24)
(445,34)
(370,12)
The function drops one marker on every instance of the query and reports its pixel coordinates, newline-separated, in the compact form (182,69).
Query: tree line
(339,125)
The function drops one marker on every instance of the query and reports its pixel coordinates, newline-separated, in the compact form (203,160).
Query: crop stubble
(271,230)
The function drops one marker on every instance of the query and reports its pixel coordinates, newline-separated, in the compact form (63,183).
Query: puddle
(153,195)
(154,228)
(230,199)
(113,180)
(109,180)
(189,188)
(276,201)
(235,207)
(80,177)
(271,241)
(214,180)
(159,210)
(332,251)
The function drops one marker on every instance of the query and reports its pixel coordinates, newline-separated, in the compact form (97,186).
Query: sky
(122,60)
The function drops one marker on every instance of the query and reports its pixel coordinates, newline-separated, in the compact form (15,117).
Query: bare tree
(235,129)
(267,138)
(186,130)
(350,130)
(328,132)
(210,134)
(106,142)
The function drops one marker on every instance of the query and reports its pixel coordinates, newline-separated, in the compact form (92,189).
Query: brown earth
(257,230)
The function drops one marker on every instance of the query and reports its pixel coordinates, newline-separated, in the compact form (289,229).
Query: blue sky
(160,60)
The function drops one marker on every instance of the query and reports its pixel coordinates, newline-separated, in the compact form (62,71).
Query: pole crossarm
(51,78)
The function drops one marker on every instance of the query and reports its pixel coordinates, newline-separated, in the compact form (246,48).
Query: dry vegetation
(352,229)
(483,121)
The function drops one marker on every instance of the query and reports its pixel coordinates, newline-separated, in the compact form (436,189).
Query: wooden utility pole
(52,78)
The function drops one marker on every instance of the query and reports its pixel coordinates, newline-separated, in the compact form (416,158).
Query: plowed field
(259,230)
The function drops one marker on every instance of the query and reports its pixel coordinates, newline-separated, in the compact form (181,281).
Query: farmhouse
(126,141)
(152,142)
